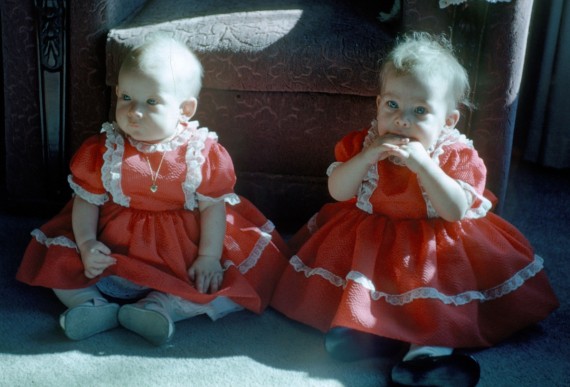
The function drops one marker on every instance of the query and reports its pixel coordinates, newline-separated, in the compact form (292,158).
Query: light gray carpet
(268,350)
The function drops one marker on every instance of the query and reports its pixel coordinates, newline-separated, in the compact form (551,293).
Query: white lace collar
(183,134)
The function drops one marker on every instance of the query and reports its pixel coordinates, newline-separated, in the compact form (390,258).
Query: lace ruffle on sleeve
(211,176)
(85,178)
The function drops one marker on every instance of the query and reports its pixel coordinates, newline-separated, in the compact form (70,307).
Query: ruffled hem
(43,239)
(508,286)
(255,254)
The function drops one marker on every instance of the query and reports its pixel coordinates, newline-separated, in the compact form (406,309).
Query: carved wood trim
(51,18)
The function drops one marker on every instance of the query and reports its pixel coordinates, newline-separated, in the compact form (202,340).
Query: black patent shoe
(455,370)
(348,345)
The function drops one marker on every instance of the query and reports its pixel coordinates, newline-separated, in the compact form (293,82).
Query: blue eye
(152,101)
(392,104)
(420,110)
(125,97)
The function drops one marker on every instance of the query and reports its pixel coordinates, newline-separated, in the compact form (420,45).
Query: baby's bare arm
(345,180)
(94,254)
(206,272)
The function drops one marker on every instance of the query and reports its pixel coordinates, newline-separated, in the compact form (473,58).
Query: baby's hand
(381,147)
(412,154)
(95,257)
(207,274)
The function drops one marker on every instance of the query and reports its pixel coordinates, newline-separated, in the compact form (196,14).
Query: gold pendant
(153,176)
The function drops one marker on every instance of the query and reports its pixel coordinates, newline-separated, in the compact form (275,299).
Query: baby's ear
(452,118)
(188,107)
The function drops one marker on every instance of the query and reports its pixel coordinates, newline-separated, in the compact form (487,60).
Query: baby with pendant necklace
(145,241)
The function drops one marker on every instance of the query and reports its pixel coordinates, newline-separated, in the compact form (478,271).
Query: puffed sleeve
(350,145)
(85,178)
(463,164)
(347,148)
(218,175)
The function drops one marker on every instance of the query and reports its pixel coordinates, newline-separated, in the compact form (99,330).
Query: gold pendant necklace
(154,176)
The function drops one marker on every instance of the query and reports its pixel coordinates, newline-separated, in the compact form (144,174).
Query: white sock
(74,297)
(222,306)
(179,309)
(420,350)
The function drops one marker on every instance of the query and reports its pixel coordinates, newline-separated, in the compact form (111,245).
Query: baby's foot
(149,320)
(85,320)
(454,370)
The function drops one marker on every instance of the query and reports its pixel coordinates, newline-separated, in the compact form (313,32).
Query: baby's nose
(403,121)
(135,111)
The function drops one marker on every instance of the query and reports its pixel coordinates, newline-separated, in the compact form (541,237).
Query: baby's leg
(154,316)
(88,312)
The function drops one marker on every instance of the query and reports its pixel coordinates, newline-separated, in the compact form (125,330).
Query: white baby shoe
(149,320)
(85,320)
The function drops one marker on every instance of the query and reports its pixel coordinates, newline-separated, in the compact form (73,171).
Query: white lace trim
(475,212)
(58,241)
(250,262)
(231,198)
(370,180)
(447,3)
(194,162)
(510,285)
(300,267)
(367,187)
(268,227)
(312,224)
(112,163)
(449,137)
(182,136)
(95,199)
(332,167)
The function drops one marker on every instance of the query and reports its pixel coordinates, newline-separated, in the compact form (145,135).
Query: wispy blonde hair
(423,54)
(161,51)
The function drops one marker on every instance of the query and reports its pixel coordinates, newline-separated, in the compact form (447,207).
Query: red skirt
(156,249)
(470,283)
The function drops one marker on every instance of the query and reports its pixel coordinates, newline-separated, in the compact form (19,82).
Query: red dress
(154,235)
(386,264)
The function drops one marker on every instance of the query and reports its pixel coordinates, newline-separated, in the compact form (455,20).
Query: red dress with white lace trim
(154,235)
(386,264)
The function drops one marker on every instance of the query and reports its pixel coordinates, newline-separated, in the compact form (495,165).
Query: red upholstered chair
(284,80)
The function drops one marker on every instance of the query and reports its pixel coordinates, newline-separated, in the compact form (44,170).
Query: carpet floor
(245,349)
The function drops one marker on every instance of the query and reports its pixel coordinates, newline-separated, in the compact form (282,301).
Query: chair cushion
(328,46)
